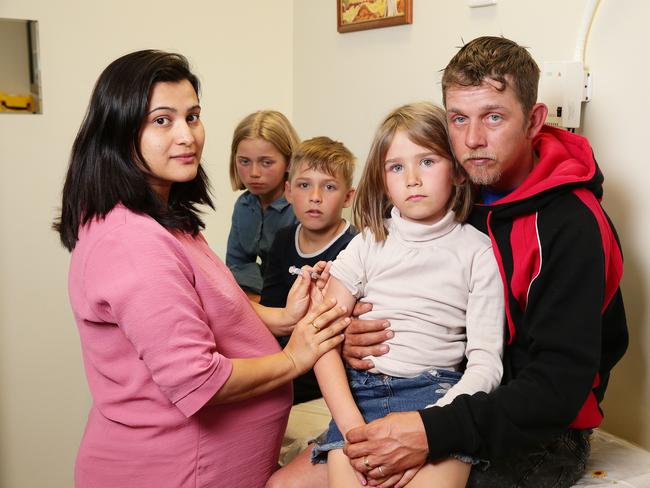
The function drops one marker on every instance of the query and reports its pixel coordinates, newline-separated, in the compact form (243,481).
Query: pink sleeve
(142,280)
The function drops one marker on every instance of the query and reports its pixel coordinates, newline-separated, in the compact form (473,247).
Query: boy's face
(318,198)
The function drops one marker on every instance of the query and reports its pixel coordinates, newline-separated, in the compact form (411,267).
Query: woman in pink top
(189,387)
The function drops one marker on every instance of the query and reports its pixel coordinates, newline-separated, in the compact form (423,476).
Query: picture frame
(357,15)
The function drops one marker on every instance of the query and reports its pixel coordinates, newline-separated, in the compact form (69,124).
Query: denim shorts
(377,395)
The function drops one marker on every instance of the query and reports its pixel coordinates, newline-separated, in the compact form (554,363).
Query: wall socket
(563,87)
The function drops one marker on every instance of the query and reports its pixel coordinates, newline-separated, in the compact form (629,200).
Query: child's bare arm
(331,373)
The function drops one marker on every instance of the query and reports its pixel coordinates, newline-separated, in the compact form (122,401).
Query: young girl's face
(419,181)
(262,168)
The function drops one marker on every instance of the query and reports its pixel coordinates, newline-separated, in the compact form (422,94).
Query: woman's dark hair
(106,163)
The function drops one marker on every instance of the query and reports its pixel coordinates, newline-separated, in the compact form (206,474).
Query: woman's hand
(281,330)
(303,292)
(298,298)
(323,275)
(318,332)
(301,295)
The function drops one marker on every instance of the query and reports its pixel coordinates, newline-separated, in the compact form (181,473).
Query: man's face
(490,134)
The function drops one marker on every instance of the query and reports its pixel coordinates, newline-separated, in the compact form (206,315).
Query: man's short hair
(498,59)
(325,155)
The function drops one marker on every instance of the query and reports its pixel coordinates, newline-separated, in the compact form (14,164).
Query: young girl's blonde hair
(426,126)
(269,125)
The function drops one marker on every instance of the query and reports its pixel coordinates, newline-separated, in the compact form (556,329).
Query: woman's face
(172,135)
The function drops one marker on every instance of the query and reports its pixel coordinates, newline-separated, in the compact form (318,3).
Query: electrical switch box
(563,87)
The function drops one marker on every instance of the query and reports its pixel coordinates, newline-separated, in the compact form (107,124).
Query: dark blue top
(251,234)
(278,281)
(489,196)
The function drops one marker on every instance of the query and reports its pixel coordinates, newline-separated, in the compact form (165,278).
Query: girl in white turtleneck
(434,278)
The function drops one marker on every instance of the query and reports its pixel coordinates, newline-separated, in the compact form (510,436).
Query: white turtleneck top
(439,287)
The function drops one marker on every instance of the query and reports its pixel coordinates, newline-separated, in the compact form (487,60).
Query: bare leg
(450,473)
(339,471)
(300,473)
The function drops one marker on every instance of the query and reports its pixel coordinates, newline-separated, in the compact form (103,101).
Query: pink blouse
(159,317)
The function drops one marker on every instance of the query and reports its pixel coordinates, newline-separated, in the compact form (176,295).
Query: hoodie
(561,264)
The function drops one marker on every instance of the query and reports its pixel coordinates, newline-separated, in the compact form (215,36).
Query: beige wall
(616,122)
(345,83)
(286,55)
(242,52)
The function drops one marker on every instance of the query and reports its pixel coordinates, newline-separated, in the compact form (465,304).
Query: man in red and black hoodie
(561,263)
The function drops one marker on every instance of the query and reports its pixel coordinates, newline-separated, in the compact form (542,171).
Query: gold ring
(315,326)
(366,463)
(381,470)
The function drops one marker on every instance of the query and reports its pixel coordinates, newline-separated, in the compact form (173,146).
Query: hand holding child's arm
(397,442)
(365,338)
(281,321)
(317,333)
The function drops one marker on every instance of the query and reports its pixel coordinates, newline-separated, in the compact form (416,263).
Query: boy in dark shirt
(319,187)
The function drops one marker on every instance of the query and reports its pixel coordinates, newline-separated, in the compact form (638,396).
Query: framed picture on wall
(356,15)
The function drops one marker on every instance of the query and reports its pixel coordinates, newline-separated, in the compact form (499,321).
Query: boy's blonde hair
(270,125)
(324,155)
(426,126)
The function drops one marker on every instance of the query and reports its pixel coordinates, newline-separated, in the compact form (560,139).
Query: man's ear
(287,191)
(536,119)
(459,178)
(349,196)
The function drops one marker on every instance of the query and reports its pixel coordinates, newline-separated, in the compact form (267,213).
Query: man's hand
(364,338)
(396,442)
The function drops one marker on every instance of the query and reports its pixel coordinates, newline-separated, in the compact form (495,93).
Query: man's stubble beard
(484,176)
(481,175)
